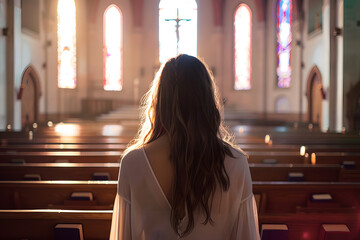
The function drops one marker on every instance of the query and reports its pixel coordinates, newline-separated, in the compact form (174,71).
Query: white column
(3,120)
(340,56)
(13,63)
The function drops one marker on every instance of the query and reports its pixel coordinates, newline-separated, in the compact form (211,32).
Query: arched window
(177,28)
(66,35)
(284,39)
(113,71)
(242,47)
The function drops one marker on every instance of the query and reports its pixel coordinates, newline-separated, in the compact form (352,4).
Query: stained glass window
(66,34)
(284,38)
(242,47)
(113,49)
(177,28)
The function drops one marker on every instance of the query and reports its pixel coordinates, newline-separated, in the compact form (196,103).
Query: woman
(182,177)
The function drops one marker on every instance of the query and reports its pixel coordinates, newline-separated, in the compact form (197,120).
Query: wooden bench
(294,157)
(292,197)
(53,156)
(109,171)
(56,194)
(308,225)
(275,197)
(62,147)
(39,224)
(59,171)
(280,172)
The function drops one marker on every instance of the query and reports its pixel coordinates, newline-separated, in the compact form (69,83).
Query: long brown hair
(183,104)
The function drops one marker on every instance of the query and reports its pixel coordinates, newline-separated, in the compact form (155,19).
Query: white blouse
(141,210)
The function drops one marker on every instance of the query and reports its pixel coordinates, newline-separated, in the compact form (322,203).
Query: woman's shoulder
(132,158)
(238,153)
(238,161)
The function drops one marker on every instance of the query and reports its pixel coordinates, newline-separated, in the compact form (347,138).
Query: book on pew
(68,231)
(83,199)
(295,176)
(321,197)
(334,232)
(322,201)
(32,177)
(87,196)
(274,232)
(348,164)
(101,176)
(269,161)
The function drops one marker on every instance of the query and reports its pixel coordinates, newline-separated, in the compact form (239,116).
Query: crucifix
(177,20)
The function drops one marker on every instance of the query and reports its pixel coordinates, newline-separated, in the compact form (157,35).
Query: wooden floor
(40,171)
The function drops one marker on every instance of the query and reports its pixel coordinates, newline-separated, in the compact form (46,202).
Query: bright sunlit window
(66,11)
(177,28)
(113,49)
(242,47)
(284,39)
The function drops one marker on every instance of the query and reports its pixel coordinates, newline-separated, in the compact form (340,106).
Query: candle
(267,138)
(241,130)
(313,159)
(302,150)
(30,135)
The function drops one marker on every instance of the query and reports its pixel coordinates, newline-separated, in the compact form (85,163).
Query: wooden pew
(280,172)
(66,140)
(53,156)
(39,224)
(278,202)
(114,156)
(58,171)
(308,225)
(120,147)
(275,197)
(62,147)
(294,157)
(290,204)
(96,224)
(259,172)
(56,194)
(292,197)
(293,148)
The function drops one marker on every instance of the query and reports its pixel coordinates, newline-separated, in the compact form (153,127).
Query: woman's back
(145,194)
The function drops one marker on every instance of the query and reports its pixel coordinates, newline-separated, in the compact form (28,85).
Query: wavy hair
(183,104)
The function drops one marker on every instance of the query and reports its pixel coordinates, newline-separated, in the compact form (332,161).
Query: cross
(177,20)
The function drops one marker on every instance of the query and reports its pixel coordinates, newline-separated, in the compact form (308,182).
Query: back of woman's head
(186,102)
(182,103)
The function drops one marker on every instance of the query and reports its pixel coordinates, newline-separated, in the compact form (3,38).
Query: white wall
(33,53)
(17,65)
(245,100)
(66,101)
(95,52)
(316,53)
(3,7)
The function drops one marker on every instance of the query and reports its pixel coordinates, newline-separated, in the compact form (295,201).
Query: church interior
(73,73)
